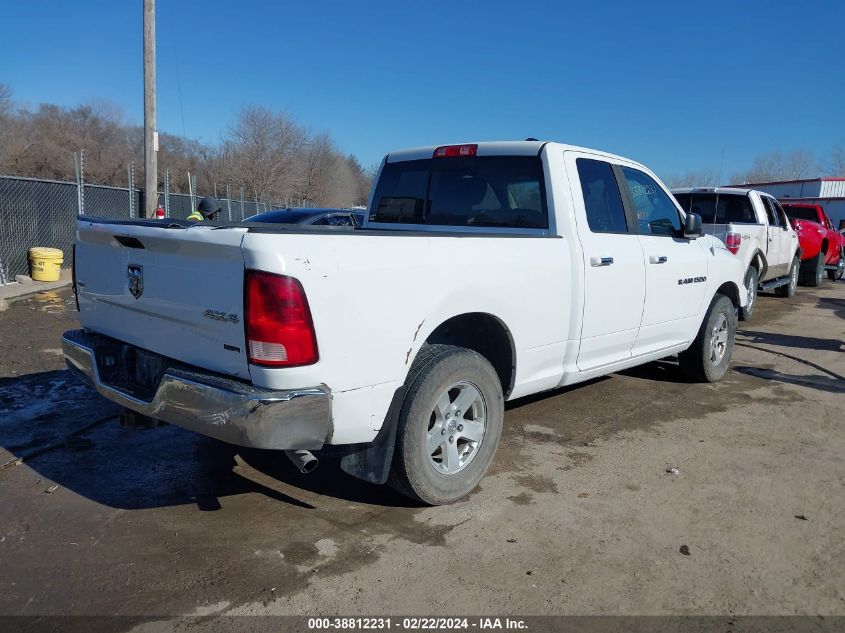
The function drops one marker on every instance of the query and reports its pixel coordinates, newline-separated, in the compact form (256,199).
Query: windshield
(482,191)
(717,208)
(800,213)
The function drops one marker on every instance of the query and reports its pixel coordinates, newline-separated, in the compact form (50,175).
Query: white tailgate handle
(658,259)
(601,261)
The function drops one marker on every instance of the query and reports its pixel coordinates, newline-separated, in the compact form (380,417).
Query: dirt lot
(578,516)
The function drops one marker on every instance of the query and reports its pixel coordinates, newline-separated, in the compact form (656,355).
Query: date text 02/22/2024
(415,624)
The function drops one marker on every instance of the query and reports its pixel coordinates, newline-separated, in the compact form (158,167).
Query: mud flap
(371,462)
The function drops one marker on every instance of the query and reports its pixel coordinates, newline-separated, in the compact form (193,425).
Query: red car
(822,246)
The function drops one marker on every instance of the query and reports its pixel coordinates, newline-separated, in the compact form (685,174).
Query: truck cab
(756,229)
(822,247)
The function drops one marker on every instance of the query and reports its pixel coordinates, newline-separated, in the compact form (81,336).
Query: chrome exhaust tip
(304,461)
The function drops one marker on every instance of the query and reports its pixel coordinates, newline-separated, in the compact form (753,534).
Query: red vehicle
(822,246)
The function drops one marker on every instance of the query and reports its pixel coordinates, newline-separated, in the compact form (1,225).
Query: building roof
(751,185)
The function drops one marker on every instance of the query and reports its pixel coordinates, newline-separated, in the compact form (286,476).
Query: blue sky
(671,84)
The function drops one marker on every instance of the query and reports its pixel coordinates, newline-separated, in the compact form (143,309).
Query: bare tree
(697,178)
(775,166)
(260,151)
(319,161)
(5,98)
(266,152)
(836,163)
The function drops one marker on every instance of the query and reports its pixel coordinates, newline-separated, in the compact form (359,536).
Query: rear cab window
(800,213)
(602,200)
(718,208)
(467,191)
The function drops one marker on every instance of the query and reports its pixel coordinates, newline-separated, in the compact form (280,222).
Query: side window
(656,213)
(602,201)
(771,214)
(781,215)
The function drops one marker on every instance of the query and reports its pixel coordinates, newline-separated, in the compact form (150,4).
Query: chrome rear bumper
(226,409)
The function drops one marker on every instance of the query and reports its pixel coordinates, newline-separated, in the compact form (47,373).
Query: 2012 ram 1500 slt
(484,272)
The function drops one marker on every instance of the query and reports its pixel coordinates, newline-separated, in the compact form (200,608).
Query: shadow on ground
(666,370)
(837,305)
(822,383)
(70,435)
(788,340)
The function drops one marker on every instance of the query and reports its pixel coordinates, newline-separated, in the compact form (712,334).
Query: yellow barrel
(45,263)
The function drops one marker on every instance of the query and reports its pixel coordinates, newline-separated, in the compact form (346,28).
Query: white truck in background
(484,272)
(754,227)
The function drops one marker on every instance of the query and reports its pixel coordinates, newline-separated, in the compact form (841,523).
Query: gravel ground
(581,514)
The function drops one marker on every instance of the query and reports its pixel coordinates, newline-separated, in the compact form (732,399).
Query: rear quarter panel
(375,298)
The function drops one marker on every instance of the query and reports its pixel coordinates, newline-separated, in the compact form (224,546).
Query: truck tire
(752,279)
(814,271)
(707,359)
(835,275)
(789,289)
(449,425)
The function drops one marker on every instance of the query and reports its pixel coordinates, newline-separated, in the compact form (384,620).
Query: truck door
(778,239)
(676,268)
(614,279)
(788,238)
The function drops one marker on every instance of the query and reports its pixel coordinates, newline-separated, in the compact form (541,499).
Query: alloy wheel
(719,339)
(456,428)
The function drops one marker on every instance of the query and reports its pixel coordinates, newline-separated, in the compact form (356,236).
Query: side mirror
(692,226)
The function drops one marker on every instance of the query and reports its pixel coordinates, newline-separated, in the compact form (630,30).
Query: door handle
(601,261)
(658,259)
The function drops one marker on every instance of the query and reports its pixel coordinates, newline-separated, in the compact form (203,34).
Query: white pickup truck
(484,272)
(755,228)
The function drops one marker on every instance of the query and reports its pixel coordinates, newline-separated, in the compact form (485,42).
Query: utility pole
(150,134)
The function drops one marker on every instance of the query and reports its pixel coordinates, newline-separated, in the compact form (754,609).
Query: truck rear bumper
(226,409)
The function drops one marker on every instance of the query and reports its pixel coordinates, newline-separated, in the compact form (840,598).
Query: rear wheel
(835,275)
(449,426)
(707,359)
(751,282)
(818,275)
(788,290)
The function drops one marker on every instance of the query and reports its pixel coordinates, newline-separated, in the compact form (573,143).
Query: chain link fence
(43,213)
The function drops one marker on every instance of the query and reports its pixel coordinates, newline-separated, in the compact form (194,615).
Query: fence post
(191,193)
(167,193)
(194,189)
(229,203)
(79,163)
(130,175)
(242,203)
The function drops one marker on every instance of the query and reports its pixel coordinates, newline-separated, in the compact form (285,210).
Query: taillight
(279,329)
(159,214)
(732,241)
(449,151)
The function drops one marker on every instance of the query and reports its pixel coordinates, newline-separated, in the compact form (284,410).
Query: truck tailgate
(174,291)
